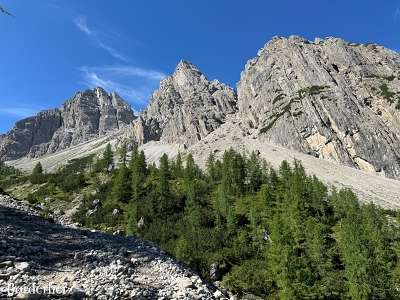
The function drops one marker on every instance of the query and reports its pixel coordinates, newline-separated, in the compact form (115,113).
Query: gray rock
(22,266)
(215,272)
(330,98)
(7,263)
(186,108)
(27,296)
(87,115)
(183,283)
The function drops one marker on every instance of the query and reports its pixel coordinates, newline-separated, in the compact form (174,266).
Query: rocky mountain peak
(185,108)
(88,114)
(330,98)
(186,65)
(336,100)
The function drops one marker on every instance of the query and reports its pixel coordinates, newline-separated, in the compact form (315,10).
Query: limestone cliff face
(87,115)
(329,98)
(185,109)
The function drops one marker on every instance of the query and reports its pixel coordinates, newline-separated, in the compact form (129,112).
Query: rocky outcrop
(43,260)
(329,98)
(335,100)
(87,115)
(185,109)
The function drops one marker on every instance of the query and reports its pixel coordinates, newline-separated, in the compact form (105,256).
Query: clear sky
(51,49)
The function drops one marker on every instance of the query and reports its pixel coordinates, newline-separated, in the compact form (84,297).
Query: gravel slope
(381,190)
(43,260)
(369,187)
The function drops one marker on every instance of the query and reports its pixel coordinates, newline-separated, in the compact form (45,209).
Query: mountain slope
(185,109)
(380,190)
(83,264)
(336,101)
(329,98)
(86,116)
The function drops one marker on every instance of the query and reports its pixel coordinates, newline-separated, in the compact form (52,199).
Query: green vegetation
(388,78)
(9,175)
(106,163)
(277,234)
(390,96)
(60,185)
(310,91)
(386,93)
(37,175)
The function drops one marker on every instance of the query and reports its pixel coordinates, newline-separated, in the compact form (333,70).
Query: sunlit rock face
(185,108)
(87,115)
(333,99)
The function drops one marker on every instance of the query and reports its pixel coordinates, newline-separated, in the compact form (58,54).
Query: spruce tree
(121,186)
(122,154)
(164,200)
(108,157)
(192,171)
(139,173)
(255,174)
(177,167)
(37,175)
(106,162)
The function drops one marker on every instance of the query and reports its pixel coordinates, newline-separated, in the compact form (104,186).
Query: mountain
(333,99)
(185,109)
(332,104)
(88,115)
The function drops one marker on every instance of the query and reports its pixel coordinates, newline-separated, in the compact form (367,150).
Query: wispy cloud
(133,71)
(81,23)
(94,35)
(133,84)
(112,51)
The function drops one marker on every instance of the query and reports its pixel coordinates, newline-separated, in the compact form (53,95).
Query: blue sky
(51,49)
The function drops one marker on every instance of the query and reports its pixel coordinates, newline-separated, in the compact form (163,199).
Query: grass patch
(311,90)
(388,78)
(386,93)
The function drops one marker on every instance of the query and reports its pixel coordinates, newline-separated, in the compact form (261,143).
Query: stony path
(43,260)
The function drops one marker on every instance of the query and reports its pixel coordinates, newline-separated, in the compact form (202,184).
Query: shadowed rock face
(185,109)
(87,115)
(329,98)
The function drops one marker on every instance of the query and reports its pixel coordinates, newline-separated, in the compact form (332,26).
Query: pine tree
(255,174)
(233,173)
(38,169)
(139,173)
(121,186)
(299,232)
(106,162)
(164,200)
(211,168)
(177,167)
(192,171)
(363,243)
(122,154)
(37,175)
